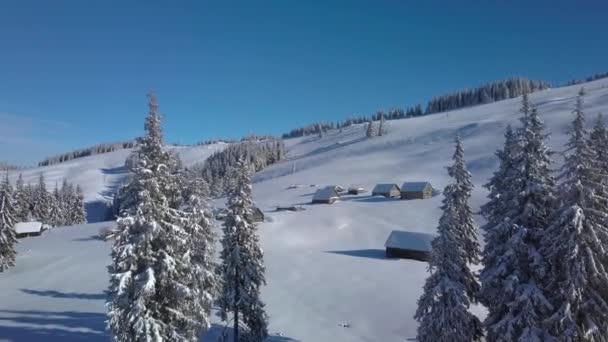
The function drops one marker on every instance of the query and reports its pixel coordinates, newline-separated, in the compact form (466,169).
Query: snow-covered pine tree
(498,261)
(8,237)
(56,213)
(462,189)
(77,210)
(598,140)
(68,197)
(151,271)
(41,201)
(443,308)
(575,244)
(520,307)
(381,125)
(370,131)
(22,205)
(205,281)
(242,268)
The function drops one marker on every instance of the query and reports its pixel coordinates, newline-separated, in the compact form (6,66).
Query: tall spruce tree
(370,131)
(41,201)
(151,298)
(198,224)
(576,242)
(443,308)
(381,125)
(242,268)
(56,213)
(519,307)
(498,260)
(22,205)
(598,140)
(79,215)
(8,237)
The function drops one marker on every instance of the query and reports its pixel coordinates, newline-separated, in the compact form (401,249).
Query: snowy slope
(101,174)
(325,265)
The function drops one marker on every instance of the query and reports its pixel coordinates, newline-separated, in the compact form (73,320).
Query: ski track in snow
(327,276)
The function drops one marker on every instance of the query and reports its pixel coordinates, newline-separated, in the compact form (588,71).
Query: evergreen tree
(151,275)
(451,287)
(381,125)
(8,237)
(197,223)
(576,242)
(598,141)
(242,269)
(78,212)
(370,131)
(22,205)
(519,306)
(41,202)
(498,230)
(56,213)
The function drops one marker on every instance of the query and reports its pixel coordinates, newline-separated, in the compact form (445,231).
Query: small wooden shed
(408,245)
(387,190)
(258,215)
(327,195)
(356,190)
(24,229)
(416,190)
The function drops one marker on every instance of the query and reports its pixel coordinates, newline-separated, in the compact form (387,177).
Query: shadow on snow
(363,253)
(66,295)
(65,326)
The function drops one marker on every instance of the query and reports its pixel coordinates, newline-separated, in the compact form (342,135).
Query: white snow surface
(327,276)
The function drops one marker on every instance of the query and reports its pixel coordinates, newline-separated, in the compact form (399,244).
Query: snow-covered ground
(327,276)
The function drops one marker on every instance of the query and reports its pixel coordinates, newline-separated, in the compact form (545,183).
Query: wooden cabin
(258,215)
(327,195)
(24,229)
(387,190)
(416,190)
(408,245)
(356,190)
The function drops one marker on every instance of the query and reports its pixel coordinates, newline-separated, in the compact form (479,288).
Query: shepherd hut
(258,215)
(408,245)
(387,190)
(327,195)
(24,229)
(356,190)
(416,190)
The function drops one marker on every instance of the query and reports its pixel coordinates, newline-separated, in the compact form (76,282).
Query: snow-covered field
(327,276)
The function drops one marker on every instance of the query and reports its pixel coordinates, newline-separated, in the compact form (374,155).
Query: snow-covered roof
(414,186)
(381,188)
(325,194)
(28,227)
(409,240)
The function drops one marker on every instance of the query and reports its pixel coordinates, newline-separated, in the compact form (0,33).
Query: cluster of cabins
(409,190)
(400,244)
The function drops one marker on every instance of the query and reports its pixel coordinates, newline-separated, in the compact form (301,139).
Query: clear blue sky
(75,73)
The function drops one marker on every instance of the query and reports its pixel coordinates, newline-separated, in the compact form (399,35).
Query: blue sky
(75,73)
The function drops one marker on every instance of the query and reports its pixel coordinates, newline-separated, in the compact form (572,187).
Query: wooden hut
(258,215)
(408,245)
(356,190)
(387,190)
(327,195)
(416,190)
(24,229)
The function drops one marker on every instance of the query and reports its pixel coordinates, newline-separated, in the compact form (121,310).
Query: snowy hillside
(100,175)
(327,276)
